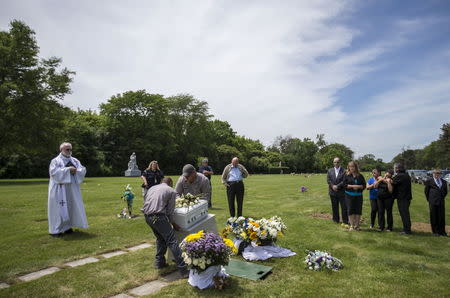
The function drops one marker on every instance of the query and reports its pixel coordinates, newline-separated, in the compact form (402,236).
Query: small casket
(186,217)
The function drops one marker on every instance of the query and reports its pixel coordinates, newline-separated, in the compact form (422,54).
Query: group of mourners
(198,182)
(66,209)
(346,191)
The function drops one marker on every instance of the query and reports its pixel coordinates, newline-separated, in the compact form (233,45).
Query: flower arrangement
(202,250)
(318,260)
(187,200)
(268,229)
(257,231)
(237,227)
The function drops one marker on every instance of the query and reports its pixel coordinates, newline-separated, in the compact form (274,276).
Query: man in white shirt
(232,177)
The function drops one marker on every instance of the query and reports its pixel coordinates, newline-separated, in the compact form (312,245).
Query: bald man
(232,177)
(335,178)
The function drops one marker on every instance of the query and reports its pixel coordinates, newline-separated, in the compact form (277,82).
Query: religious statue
(133,170)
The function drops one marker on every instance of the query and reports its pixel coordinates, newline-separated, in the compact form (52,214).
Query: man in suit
(402,192)
(335,179)
(435,192)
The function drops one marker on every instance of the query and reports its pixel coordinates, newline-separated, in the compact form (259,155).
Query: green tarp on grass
(247,270)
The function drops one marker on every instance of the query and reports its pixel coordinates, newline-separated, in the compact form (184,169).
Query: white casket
(187,217)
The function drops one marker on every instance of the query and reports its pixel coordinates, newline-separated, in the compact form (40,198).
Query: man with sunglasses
(335,178)
(65,205)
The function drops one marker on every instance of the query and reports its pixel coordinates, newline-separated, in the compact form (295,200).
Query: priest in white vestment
(65,205)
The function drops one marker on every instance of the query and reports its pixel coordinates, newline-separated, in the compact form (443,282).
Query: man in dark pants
(207,170)
(159,205)
(402,192)
(435,192)
(335,179)
(232,177)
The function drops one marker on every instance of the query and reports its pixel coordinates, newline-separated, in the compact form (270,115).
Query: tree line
(171,129)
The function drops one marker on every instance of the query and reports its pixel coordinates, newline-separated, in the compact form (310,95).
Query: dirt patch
(415,226)
(424,227)
(322,215)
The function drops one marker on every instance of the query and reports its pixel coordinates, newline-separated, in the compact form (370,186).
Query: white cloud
(268,68)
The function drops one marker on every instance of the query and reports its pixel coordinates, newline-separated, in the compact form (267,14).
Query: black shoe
(161,266)
(436,234)
(56,235)
(69,231)
(405,232)
(184,273)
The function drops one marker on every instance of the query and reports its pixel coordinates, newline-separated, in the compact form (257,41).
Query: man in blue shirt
(232,177)
(207,170)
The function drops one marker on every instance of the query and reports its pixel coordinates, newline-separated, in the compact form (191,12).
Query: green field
(376,264)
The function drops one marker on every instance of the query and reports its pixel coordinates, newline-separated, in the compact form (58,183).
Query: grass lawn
(376,264)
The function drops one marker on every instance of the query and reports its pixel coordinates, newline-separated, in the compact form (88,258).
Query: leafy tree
(188,119)
(136,121)
(407,158)
(324,157)
(224,155)
(298,155)
(258,164)
(30,91)
(368,162)
(85,130)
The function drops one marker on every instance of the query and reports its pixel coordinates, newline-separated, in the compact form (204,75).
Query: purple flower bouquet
(203,250)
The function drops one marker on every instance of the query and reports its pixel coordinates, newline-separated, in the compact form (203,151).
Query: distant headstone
(133,170)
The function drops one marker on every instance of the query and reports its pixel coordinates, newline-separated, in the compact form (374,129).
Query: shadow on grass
(215,208)
(229,291)
(22,182)
(78,235)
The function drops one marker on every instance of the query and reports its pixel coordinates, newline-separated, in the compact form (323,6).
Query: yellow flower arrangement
(225,232)
(255,224)
(194,237)
(243,235)
(230,244)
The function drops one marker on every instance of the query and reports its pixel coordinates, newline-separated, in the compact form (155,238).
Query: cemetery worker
(151,176)
(372,186)
(335,177)
(159,204)
(435,192)
(354,184)
(194,183)
(385,200)
(232,177)
(402,192)
(207,170)
(65,205)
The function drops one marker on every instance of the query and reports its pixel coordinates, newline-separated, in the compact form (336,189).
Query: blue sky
(374,75)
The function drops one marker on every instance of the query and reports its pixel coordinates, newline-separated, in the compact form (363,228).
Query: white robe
(65,205)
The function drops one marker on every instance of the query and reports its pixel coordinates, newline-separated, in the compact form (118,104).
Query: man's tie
(438,183)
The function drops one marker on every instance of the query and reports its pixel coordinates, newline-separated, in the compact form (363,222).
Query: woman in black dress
(354,184)
(151,176)
(385,201)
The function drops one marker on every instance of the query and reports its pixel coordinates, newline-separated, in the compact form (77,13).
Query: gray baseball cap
(188,170)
